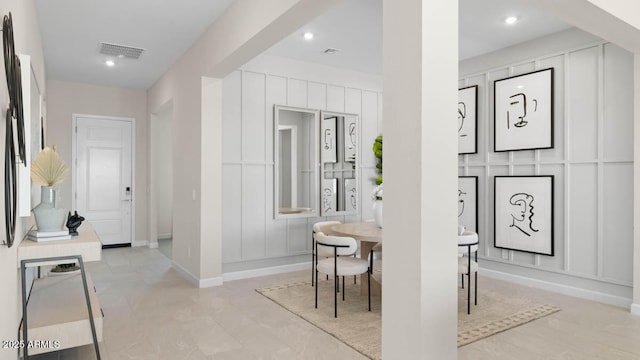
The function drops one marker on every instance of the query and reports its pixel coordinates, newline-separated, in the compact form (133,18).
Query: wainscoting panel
(583,219)
(253,116)
(253,211)
(232,113)
(582,101)
(617,256)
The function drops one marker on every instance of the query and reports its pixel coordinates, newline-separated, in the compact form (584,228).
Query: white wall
(27,41)
(592,162)
(194,85)
(67,98)
(251,236)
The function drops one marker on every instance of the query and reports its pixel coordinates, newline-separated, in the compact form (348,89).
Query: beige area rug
(361,329)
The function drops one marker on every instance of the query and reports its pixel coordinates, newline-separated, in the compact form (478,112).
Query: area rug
(361,329)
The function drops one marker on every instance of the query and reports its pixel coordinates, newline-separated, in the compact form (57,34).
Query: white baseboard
(560,288)
(139,243)
(153,245)
(210,282)
(200,283)
(165,236)
(635,309)
(246,274)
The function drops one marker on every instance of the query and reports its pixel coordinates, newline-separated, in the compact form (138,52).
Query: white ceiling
(72,29)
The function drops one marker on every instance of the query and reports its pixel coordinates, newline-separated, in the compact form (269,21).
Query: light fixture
(308,35)
(511,20)
(110,63)
(331,51)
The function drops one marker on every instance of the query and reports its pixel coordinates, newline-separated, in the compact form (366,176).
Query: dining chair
(325,227)
(376,270)
(468,244)
(340,264)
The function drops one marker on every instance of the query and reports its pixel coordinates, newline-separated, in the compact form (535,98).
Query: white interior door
(104,192)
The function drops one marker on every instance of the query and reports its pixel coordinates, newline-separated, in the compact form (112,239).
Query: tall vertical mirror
(339,163)
(296,158)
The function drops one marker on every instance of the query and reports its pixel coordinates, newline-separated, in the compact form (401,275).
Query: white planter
(48,216)
(377,212)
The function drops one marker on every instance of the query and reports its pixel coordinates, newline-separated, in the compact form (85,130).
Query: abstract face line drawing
(326,199)
(352,135)
(462,115)
(461,202)
(518,105)
(328,140)
(522,216)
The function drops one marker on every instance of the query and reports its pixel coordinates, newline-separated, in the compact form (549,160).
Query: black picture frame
(523,112)
(468,202)
(523,218)
(468,120)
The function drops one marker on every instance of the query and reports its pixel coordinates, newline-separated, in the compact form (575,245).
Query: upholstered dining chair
(324,227)
(376,270)
(468,244)
(340,264)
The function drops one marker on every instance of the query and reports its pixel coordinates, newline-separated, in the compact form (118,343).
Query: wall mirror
(296,159)
(338,163)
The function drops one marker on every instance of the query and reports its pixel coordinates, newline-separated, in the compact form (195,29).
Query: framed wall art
(468,120)
(329,195)
(328,144)
(523,213)
(350,138)
(468,202)
(351,195)
(523,112)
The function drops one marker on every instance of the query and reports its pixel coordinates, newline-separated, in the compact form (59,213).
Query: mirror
(339,163)
(296,159)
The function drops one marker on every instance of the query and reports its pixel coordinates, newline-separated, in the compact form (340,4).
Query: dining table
(369,234)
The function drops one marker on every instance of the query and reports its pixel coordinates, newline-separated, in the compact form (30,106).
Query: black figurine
(73,222)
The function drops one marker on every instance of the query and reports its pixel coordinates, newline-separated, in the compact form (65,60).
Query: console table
(59,316)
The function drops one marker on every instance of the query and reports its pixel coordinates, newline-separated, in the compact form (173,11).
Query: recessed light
(308,35)
(110,63)
(511,20)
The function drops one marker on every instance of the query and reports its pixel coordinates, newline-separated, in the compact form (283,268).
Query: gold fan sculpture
(48,168)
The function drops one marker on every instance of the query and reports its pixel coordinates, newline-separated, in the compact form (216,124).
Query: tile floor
(151,312)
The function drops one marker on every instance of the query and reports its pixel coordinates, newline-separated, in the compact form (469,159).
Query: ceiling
(71,31)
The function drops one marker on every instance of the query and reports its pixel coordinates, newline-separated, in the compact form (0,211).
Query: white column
(635,306)
(211,183)
(419,308)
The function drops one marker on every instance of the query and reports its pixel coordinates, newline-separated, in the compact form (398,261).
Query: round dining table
(369,234)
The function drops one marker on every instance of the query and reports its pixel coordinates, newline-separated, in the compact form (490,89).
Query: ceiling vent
(120,51)
(331,51)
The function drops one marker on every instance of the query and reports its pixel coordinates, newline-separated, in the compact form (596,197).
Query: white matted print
(523,111)
(523,213)
(350,138)
(329,196)
(328,146)
(351,195)
(468,120)
(468,202)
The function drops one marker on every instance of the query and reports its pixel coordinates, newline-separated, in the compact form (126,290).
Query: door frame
(74,162)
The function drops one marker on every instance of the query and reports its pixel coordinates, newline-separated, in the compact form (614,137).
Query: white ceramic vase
(377,212)
(48,216)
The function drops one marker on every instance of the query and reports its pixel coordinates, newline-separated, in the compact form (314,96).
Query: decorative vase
(48,216)
(377,212)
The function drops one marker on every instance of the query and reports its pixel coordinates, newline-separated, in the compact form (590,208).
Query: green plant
(377,151)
